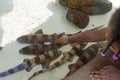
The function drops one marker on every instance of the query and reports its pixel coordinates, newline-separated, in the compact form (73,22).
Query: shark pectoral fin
(29,69)
(70,59)
(39,31)
(70,66)
(25,60)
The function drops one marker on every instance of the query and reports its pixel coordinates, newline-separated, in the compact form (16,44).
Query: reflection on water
(5,7)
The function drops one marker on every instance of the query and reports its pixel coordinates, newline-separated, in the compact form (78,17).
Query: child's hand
(106,73)
(62,40)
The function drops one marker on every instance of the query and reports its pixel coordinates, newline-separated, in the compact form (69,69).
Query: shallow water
(19,17)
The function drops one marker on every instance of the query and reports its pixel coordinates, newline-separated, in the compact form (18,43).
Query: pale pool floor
(27,16)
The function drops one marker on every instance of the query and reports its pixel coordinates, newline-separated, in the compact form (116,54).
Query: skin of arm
(89,36)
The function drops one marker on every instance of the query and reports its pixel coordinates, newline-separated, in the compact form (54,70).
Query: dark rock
(78,18)
(100,8)
(90,7)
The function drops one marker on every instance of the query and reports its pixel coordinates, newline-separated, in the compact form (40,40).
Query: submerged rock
(100,8)
(90,7)
(78,18)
